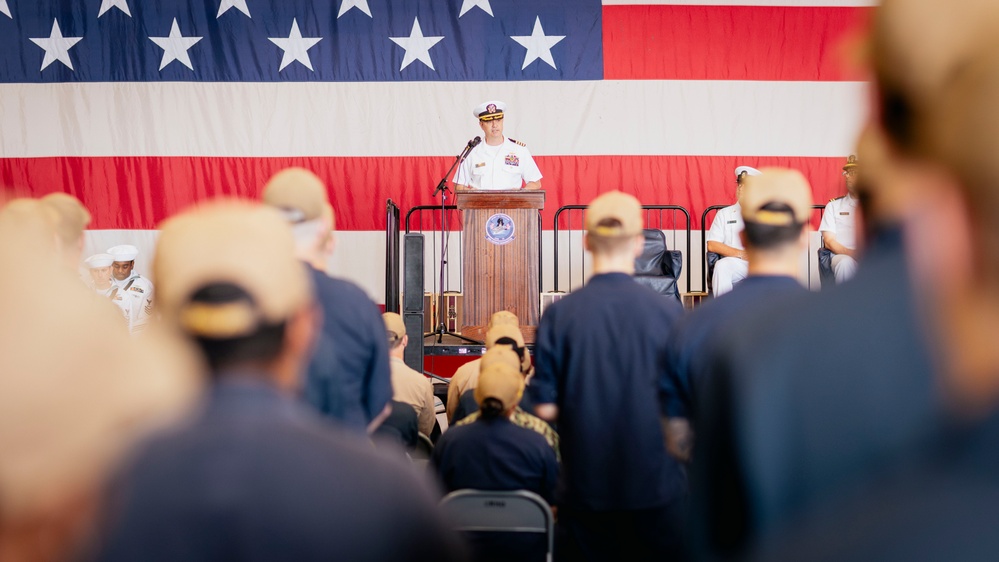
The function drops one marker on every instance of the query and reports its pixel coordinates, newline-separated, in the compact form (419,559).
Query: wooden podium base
(500,257)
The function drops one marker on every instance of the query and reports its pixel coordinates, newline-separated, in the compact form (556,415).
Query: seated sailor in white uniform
(839,225)
(723,239)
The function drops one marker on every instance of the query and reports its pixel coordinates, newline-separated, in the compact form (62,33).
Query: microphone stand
(441,325)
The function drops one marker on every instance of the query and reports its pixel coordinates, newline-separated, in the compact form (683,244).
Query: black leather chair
(712,258)
(826,276)
(659,267)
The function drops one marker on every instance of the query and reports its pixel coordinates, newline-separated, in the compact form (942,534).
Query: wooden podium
(500,258)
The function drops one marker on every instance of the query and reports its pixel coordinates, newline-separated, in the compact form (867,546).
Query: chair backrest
(658,267)
(518,511)
(424,448)
(441,412)
(711,258)
(653,258)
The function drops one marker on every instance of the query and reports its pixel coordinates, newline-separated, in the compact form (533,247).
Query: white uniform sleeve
(125,306)
(828,223)
(142,305)
(530,167)
(717,231)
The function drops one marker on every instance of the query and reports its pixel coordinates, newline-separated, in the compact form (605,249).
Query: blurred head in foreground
(958,231)
(71,398)
(301,198)
(227,277)
(776,207)
(914,49)
(72,220)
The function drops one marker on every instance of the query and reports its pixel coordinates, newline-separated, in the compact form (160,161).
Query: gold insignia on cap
(219,320)
(773,218)
(851,162)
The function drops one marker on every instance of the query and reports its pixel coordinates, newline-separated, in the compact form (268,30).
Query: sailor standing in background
(723,238)
(497,162)
(99,266)
(132,293)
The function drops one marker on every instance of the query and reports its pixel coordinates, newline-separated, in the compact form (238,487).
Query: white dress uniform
(725,229)
(840,219)
(134,296)
(104,292)
(506,166)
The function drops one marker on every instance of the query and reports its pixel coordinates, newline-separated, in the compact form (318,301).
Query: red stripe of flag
(666,42)
(139,192)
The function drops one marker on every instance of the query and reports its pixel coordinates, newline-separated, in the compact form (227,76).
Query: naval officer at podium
(498,162)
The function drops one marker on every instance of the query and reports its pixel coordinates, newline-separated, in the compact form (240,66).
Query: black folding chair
(515,525)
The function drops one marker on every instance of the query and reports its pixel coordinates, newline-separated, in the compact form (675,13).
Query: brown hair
(605,245)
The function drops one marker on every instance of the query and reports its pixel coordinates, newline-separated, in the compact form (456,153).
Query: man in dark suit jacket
(255,475)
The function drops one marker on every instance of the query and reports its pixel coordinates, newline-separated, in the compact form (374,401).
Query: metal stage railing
(427,219)
(569,212)
(392,286)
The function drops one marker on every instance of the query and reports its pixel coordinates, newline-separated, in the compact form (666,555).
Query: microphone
(468,148)
(442,186)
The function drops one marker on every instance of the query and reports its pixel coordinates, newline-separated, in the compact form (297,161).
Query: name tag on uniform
(480,164)
(847,213)
(732,222)
(512,160)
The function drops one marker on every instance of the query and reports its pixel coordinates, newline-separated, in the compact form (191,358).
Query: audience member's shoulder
(581,303)
(917,513)
(456,432)
(159,449)
(346,292)
(668,305)
(735,306)
(346,287)
(351,456)
(530,420)
(532,437)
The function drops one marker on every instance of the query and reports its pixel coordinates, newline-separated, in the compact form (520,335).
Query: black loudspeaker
(413,355)
(412,299)
(412,285)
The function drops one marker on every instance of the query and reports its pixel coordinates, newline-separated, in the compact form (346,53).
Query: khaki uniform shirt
(411,387)
(465,378)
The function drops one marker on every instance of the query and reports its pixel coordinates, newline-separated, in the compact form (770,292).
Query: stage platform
(455,347)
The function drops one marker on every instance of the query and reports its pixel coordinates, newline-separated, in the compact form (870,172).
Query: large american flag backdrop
(142,107)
